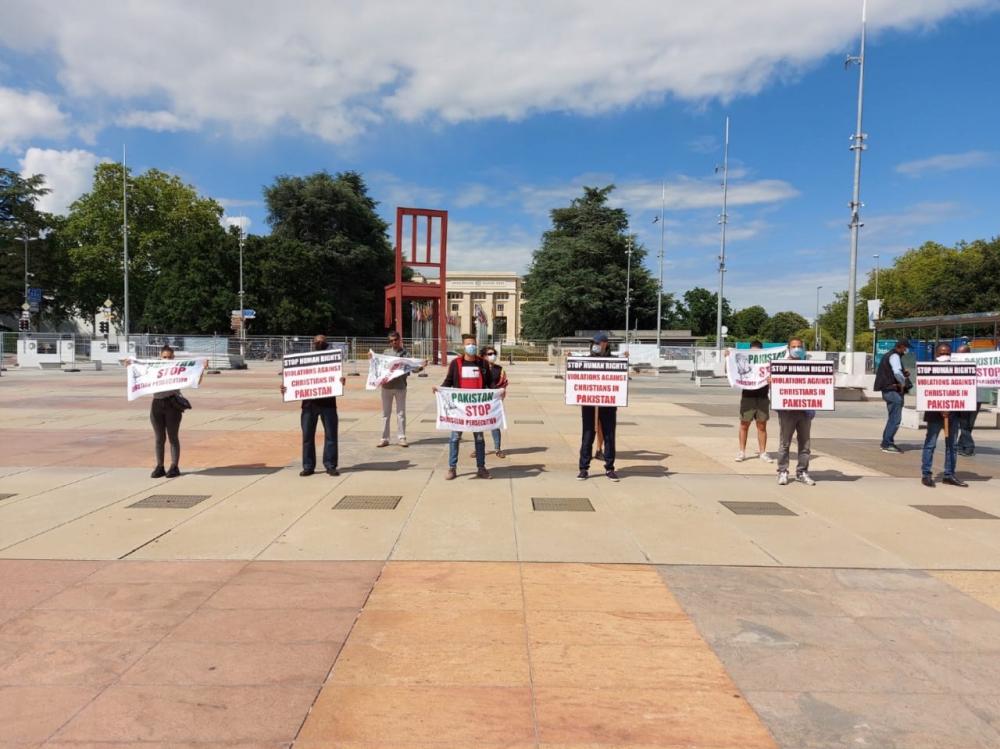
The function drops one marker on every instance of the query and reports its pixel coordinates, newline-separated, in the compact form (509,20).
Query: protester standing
(890,380)
(965,444)
(755,406)
(313,411)
(799,424)
(606,416)
(395,390)
(937,421)
(165,414)
(468,372)
(497,381)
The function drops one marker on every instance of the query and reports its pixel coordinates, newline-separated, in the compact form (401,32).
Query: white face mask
(596,348)
(471,349)
(943,357)
(491,357)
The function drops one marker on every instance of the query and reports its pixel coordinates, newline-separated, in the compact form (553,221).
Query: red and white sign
(316,374)
(987,367)
(946,386)
(148,376)
(596,381)
(802,385)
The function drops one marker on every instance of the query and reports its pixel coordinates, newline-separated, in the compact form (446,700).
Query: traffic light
(103,327)
(22,325)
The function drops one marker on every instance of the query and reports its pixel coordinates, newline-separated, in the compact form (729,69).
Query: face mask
(471,349)
(491,357)
(943,357)
(596,348)
(798,353)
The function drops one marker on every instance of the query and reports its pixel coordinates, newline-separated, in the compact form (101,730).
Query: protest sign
(946,386)
(148,376)
(987,367)
(461,410)
(802,385)
(596,381)
(314,374)
(748,369)
(382,368)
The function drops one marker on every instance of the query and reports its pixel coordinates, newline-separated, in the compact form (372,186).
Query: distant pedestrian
(892,381)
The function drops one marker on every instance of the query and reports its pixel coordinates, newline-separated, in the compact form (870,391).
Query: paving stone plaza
(694,604)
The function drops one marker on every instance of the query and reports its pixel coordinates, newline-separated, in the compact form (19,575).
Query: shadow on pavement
(388,465)
(245,470)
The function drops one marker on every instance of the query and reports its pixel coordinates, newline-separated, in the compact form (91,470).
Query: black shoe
(332,472)
(953,481)
(927,481)
(174,472)
(612,475)
(582,476)
(306,472)
(158,473)
(891,449)
(599,455)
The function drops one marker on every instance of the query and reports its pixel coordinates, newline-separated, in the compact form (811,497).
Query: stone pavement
(248,612)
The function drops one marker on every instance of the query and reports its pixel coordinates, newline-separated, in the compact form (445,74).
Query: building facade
(497,295)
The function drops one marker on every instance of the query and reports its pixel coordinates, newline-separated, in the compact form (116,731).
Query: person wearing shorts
(755,406)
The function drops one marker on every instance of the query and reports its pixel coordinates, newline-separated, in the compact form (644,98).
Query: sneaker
(482,473)
(306,472)
(892,449)
(805,478)
(740,457)
(612,475)
(383,443)
(450,475)
(158,473)
(403,442)
(582,476)
(173,472)
(782,478)
(766,458)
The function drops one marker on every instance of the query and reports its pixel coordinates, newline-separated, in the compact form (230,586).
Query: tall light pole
(876,275)
(125,239)
(243,322)
(857,145)
(25,263)
(723,220)
(628,282)
(816,319)
(659,294)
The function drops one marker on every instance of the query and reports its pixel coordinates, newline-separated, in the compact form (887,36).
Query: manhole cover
(758,508)
(6,496)
(528,421)
(955,512)
(561,504)
(368,502)
(164,501)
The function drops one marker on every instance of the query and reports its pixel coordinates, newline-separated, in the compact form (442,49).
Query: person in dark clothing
(165,415)
(606,416)
(467,371)
(936,422)
(497,381)
(313,411)
(964,443)
(890,380)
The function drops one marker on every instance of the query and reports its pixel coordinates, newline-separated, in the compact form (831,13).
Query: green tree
(702,311)
(577,277)
(327,261)
(783,326)
(748,322)
(826,341)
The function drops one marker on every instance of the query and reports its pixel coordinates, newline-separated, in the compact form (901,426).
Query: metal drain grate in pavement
(561,504)
(171,501)
(528,421)
(6,496)
(758,508)
(955,512)
(368,502)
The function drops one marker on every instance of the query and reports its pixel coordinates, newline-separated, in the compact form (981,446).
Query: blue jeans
(480,442)
(311,414)
(496,439)
(894,403)
(966,423)
(935,423)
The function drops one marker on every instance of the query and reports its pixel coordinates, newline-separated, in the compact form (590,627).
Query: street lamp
(876,275)
(628,283)
(816,319)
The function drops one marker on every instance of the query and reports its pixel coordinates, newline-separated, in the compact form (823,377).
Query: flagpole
(125,239)
(659,295)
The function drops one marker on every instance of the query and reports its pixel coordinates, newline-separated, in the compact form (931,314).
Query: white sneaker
(805,478)
(383,443)
(766,458)
(782,478)
(740,457)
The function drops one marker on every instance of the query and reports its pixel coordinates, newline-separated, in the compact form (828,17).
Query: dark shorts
(755,408)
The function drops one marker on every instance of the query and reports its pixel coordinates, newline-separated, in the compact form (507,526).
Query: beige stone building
(499,295)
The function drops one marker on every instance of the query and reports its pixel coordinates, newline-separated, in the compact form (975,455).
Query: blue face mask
(797,353)
(471,349)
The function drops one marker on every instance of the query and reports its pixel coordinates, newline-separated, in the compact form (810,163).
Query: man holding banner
(316,379)
(389,371)
(944,389)
(465,404)
(598,388)
(748,371)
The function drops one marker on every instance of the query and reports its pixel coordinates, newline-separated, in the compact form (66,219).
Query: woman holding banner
(497,381)
(165,414)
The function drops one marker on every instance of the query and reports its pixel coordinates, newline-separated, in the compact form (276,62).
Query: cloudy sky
(500,112)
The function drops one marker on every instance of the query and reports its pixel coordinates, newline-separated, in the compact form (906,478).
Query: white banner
(748,368)
(946,386)
(802,385)
(148,376)
(382,368)
(314,374)
(596,381)
(987,367)
(874,312)
(462,410)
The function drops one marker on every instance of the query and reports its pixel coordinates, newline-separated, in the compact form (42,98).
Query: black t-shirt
(763,392)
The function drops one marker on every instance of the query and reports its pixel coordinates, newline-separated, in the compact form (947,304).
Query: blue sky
(507,117)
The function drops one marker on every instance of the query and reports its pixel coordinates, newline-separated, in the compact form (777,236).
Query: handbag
(180,402)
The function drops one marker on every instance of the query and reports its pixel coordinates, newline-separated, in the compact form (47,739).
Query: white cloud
(902,223)
(30,115)
(471,195)
(947,162)
(332,70)
(68,174)
(159,121)
(243,221)
(478,247)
